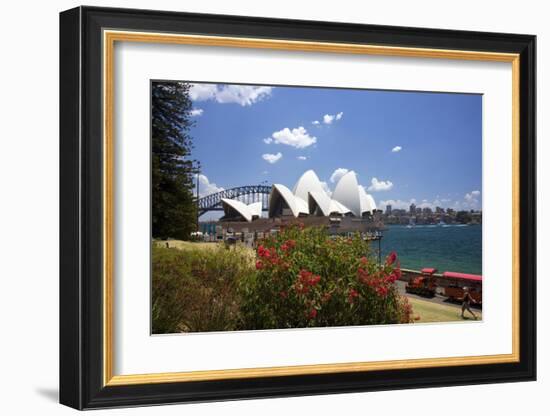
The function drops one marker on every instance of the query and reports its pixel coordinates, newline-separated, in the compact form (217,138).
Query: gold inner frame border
(110,37)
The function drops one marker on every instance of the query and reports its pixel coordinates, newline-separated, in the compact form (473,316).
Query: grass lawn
(195,245)
(182,245)
(434,312)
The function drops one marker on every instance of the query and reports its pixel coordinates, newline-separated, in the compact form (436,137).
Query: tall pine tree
(174,206)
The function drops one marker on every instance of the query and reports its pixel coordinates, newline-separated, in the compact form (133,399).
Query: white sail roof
(367,201)
(308,182)
(308,193)
(279,191)
(255,209)
(372,202)
(322,200)
(347,193)
(242,209)
(337,207)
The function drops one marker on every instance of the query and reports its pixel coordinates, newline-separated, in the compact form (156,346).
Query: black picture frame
(81,202)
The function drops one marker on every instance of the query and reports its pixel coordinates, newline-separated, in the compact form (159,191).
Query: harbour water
(456,248)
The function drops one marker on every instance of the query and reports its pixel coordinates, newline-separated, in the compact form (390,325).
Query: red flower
(312,313)
(307,278)
(364,261)
(382,291)
(397,273)
(259,265)
(391,278)
(262,251)
(352,295)
(283,294)
(391,258)
(288,245)
(314,280)
(305,275)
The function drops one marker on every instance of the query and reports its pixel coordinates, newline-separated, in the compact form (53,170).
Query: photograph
(281,207)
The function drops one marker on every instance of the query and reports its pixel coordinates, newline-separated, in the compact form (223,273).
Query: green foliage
(307,279)
(463,217)
(298,278)
(173,207)
(196,289)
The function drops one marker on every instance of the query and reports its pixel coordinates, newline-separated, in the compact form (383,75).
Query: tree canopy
(174,210)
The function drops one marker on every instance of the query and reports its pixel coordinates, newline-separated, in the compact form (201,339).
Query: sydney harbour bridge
(247,194)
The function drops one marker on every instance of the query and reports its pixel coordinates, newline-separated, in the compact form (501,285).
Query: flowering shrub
(305,278)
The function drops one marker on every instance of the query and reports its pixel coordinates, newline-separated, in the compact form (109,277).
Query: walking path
(436,309)
(442,300)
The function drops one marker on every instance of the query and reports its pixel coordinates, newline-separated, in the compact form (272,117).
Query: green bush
(195,290)
(305,278)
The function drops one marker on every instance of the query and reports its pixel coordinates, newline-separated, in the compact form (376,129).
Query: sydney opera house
(308,199)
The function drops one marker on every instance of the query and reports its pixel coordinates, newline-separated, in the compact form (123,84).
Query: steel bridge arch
(246,194)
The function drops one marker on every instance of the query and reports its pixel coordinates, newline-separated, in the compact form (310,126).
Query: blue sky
(404,146)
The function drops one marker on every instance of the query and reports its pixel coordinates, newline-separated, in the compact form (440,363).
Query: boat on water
(412,223)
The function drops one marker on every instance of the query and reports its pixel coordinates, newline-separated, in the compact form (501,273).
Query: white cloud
(203,92)
(244,95)
(301,157)
(268,140)
(315,123)
(396,149)
(328,118)
(326,188)
(272,158)
(298,137)
(471,199)
(337,174)
(377,185)
(472,195)
(206,187)
(196,112)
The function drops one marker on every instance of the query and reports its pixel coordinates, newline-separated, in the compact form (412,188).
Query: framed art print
(258,207)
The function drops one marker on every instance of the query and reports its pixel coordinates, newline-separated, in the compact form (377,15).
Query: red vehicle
(423,285)
(456,282)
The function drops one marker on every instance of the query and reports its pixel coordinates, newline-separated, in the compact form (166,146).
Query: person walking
(466,301)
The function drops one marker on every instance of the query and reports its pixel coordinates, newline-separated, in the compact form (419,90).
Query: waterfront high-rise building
(412,209)
(388,209)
